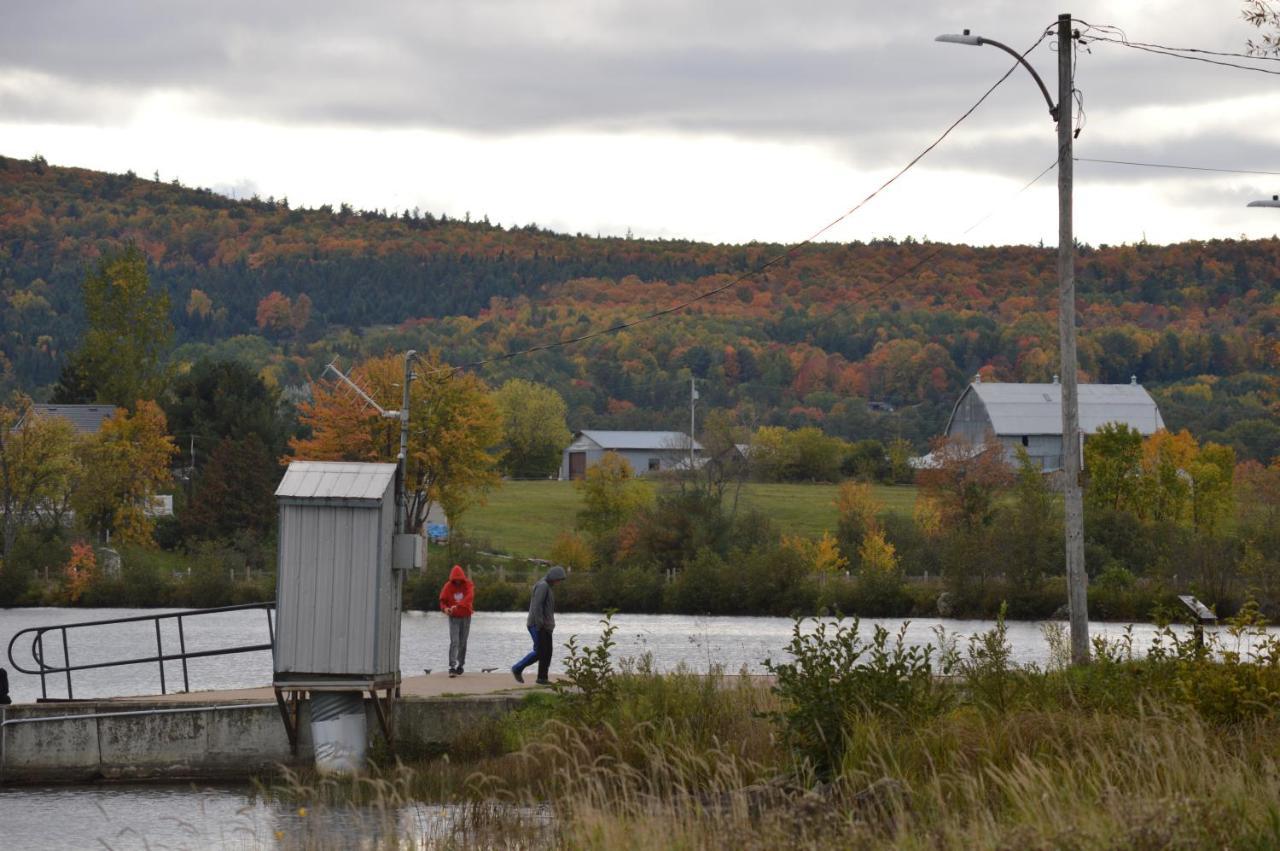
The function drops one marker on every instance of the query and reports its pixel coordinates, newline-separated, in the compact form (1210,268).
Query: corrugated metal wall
(338,600)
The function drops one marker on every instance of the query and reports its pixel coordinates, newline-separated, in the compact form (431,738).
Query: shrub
(834,674)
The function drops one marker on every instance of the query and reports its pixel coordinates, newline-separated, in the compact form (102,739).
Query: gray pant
(459,629)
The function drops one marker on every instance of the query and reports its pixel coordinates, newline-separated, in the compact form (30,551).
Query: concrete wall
(201,743)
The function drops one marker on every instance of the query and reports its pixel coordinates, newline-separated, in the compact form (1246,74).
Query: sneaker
(459,671)
(518,674)
(452,673)
(543,682)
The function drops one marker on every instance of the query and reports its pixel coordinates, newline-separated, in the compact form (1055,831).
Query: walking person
(542,624)
(457,600)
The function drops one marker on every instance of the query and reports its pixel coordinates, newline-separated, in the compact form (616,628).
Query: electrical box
(338,590)
(406,552)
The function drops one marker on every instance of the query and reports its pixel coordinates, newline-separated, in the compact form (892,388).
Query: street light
(1274,202)
(1073,514)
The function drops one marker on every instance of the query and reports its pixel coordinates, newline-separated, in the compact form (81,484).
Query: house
(1030,415)
(646,451)
(85,419)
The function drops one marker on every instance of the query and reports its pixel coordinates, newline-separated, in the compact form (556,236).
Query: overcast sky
(721,120)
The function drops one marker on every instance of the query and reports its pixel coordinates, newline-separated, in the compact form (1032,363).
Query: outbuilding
(646,451)
(1030,415)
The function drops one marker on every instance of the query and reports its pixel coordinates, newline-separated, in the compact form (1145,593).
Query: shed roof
(640,439)
(336,480)
(1017,409)
(86,419)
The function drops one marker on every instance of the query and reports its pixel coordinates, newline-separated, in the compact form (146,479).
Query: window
(1026,441)
(655,464)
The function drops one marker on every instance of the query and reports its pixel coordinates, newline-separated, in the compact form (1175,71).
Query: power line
(864,296)
(1174,52)
(771,262)
(1179,167)
(1124,39)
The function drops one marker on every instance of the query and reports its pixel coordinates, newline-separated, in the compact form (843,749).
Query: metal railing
(44,669)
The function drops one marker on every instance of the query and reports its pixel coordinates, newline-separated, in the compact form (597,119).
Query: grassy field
(524,518)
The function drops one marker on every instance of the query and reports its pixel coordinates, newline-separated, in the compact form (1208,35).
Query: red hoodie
(458,594)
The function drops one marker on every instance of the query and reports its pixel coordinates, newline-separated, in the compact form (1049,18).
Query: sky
(717,120)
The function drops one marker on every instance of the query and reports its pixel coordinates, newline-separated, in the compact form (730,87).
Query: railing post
(182,648)
(39,639)
(159,654)
(66,661)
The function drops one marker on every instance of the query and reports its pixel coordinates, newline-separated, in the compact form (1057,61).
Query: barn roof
(1017,409)
(336,480)
(640,439)
(86,419)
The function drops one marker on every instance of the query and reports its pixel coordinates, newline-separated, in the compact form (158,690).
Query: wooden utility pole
(693,400)
(1073,514)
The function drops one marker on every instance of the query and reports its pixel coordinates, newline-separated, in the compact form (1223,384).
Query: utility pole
(1073,514)
(693,398)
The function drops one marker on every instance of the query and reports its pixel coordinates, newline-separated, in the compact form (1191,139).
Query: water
(497,640)
(123,817)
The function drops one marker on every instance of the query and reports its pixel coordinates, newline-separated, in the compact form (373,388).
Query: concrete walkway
(430,685)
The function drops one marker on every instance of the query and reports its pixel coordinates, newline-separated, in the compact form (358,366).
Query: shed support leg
(384,713)
(289,715)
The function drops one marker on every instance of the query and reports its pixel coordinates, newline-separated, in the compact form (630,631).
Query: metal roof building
(86,419)
(1030,415)
(646,451)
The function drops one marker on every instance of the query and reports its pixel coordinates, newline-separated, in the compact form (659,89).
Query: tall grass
(1123,754)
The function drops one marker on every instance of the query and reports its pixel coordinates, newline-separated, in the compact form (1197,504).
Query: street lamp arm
(978,41)
(1274,202)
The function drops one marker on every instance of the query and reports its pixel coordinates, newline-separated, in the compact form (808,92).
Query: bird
(487,670)
(426,670)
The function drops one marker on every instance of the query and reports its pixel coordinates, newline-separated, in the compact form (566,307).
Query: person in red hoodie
(457,598)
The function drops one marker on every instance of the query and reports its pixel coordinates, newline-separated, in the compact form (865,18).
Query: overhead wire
(1178,167)
(1185,53)
(862,297)
(768,264)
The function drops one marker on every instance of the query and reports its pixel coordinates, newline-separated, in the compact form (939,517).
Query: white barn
(646,451)
(1030,415)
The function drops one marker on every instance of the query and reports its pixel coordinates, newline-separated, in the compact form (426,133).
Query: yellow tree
(453,426)
(36,461)
(121,469)
(611,494)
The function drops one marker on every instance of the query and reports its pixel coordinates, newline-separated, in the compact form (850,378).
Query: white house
(646,451)
(1030,415)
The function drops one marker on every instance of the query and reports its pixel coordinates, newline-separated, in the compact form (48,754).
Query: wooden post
(1073,515)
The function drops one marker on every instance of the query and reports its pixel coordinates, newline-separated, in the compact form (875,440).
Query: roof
(640,439)
(86,419)
(1037,408)
(336,480)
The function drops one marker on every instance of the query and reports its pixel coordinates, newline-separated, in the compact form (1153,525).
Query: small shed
(646,451)
(338,589)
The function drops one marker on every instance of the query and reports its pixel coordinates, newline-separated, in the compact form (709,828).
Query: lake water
(497,640)
(121,817)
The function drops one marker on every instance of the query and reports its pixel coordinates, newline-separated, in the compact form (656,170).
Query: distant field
(524,517)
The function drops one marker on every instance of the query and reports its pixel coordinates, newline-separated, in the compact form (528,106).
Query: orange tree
(453,427)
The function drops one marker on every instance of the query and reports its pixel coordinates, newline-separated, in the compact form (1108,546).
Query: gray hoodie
(542,605)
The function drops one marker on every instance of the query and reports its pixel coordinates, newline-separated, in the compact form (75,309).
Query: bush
(835,674)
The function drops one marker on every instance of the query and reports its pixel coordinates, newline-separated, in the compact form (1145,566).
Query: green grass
(524,518)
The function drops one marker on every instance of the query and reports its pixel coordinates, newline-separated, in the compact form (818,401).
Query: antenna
(383,412)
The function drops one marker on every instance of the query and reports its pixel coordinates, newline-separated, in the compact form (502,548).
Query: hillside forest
(860,340)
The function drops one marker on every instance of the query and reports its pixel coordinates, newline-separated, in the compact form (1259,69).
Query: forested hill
(811,341)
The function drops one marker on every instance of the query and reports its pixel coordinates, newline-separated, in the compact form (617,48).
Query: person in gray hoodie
(542,624)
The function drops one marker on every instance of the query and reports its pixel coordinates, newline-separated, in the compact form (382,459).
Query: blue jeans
(532,655)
